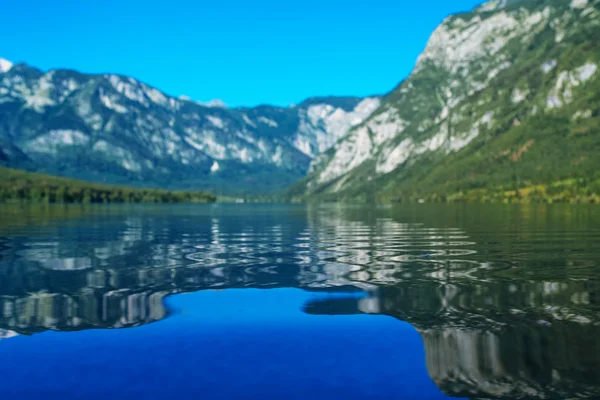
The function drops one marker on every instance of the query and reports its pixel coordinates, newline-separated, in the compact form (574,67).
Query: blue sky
(243,52)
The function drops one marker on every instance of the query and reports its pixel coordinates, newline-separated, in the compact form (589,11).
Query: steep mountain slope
(503,97)
(114,129)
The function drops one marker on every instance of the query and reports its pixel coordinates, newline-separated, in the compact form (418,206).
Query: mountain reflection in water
(504,298)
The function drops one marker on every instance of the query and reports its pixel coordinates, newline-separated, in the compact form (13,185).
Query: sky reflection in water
(232,344)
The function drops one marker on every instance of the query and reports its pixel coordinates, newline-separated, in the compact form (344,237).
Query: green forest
(17,185)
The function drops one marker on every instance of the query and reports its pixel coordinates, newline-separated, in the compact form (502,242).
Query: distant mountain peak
(5,65)
(495,5)
(216,103)
(492,5)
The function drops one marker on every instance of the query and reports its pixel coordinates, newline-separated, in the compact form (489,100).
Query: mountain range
(115,129)
(504,102)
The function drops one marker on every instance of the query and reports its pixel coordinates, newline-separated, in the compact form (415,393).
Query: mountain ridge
(114,129)
(342,101)
(497,94)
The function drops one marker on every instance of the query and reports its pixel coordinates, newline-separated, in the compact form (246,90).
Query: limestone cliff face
(461,115)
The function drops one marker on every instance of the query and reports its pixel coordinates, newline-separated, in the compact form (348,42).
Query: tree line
(16,185)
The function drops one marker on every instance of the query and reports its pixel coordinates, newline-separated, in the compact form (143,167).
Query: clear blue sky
(245,52)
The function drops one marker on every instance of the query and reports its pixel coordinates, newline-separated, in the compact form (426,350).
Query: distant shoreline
(23,186)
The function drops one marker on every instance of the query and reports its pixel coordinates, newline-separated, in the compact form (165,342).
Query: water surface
(244,302)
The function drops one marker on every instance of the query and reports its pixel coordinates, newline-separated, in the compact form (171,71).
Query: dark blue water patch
(234,344)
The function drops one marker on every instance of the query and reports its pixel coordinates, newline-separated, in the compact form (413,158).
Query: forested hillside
(16,185)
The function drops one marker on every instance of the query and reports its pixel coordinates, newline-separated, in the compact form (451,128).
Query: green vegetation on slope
(543,137)
(546,159)
(16,185)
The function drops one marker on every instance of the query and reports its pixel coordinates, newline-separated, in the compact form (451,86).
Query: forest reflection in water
(505,298)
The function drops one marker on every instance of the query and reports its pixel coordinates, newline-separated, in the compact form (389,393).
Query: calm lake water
(294,302)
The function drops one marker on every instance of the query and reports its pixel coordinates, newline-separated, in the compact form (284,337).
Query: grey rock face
(115,129)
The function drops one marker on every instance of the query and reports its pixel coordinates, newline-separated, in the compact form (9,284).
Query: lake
(293,302)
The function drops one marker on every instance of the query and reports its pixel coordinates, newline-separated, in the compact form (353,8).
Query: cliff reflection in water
(506,303)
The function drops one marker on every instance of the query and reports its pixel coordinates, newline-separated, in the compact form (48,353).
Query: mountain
(115,129)
(503,102)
